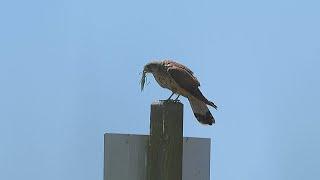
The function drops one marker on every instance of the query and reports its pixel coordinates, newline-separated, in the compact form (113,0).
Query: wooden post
(165,141)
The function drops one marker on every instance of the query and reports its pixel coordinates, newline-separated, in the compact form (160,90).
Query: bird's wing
(173,63)
(187,82)
(183,78)
(169,64)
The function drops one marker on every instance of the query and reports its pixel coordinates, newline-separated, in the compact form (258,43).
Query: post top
(167,102)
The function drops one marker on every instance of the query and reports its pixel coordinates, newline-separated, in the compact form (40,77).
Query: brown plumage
(180,80)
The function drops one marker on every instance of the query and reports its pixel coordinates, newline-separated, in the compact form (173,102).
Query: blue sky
(69,72)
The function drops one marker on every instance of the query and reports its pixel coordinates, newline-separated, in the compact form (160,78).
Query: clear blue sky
(69,72)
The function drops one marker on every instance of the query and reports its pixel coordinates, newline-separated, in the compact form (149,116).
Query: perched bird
(180,80)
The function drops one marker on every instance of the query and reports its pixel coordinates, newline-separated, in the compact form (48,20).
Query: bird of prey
(181,81)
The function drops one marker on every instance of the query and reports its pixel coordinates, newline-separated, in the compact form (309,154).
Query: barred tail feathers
(201,111)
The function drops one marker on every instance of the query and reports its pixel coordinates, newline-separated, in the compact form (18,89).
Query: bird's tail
(201,111)
(197,94)
(210,103)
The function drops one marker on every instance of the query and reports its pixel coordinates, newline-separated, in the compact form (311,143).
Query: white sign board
(125,157)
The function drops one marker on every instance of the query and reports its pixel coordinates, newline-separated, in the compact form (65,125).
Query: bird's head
(148,68)
(151,67)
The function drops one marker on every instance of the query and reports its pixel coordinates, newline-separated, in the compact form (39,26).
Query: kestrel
(181,81)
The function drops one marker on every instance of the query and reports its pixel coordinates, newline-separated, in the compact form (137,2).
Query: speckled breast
(166,81)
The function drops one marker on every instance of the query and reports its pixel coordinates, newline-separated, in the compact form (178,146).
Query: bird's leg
(170,96)
(177,99)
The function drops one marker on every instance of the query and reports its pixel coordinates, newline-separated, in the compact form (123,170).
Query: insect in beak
(143,79)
